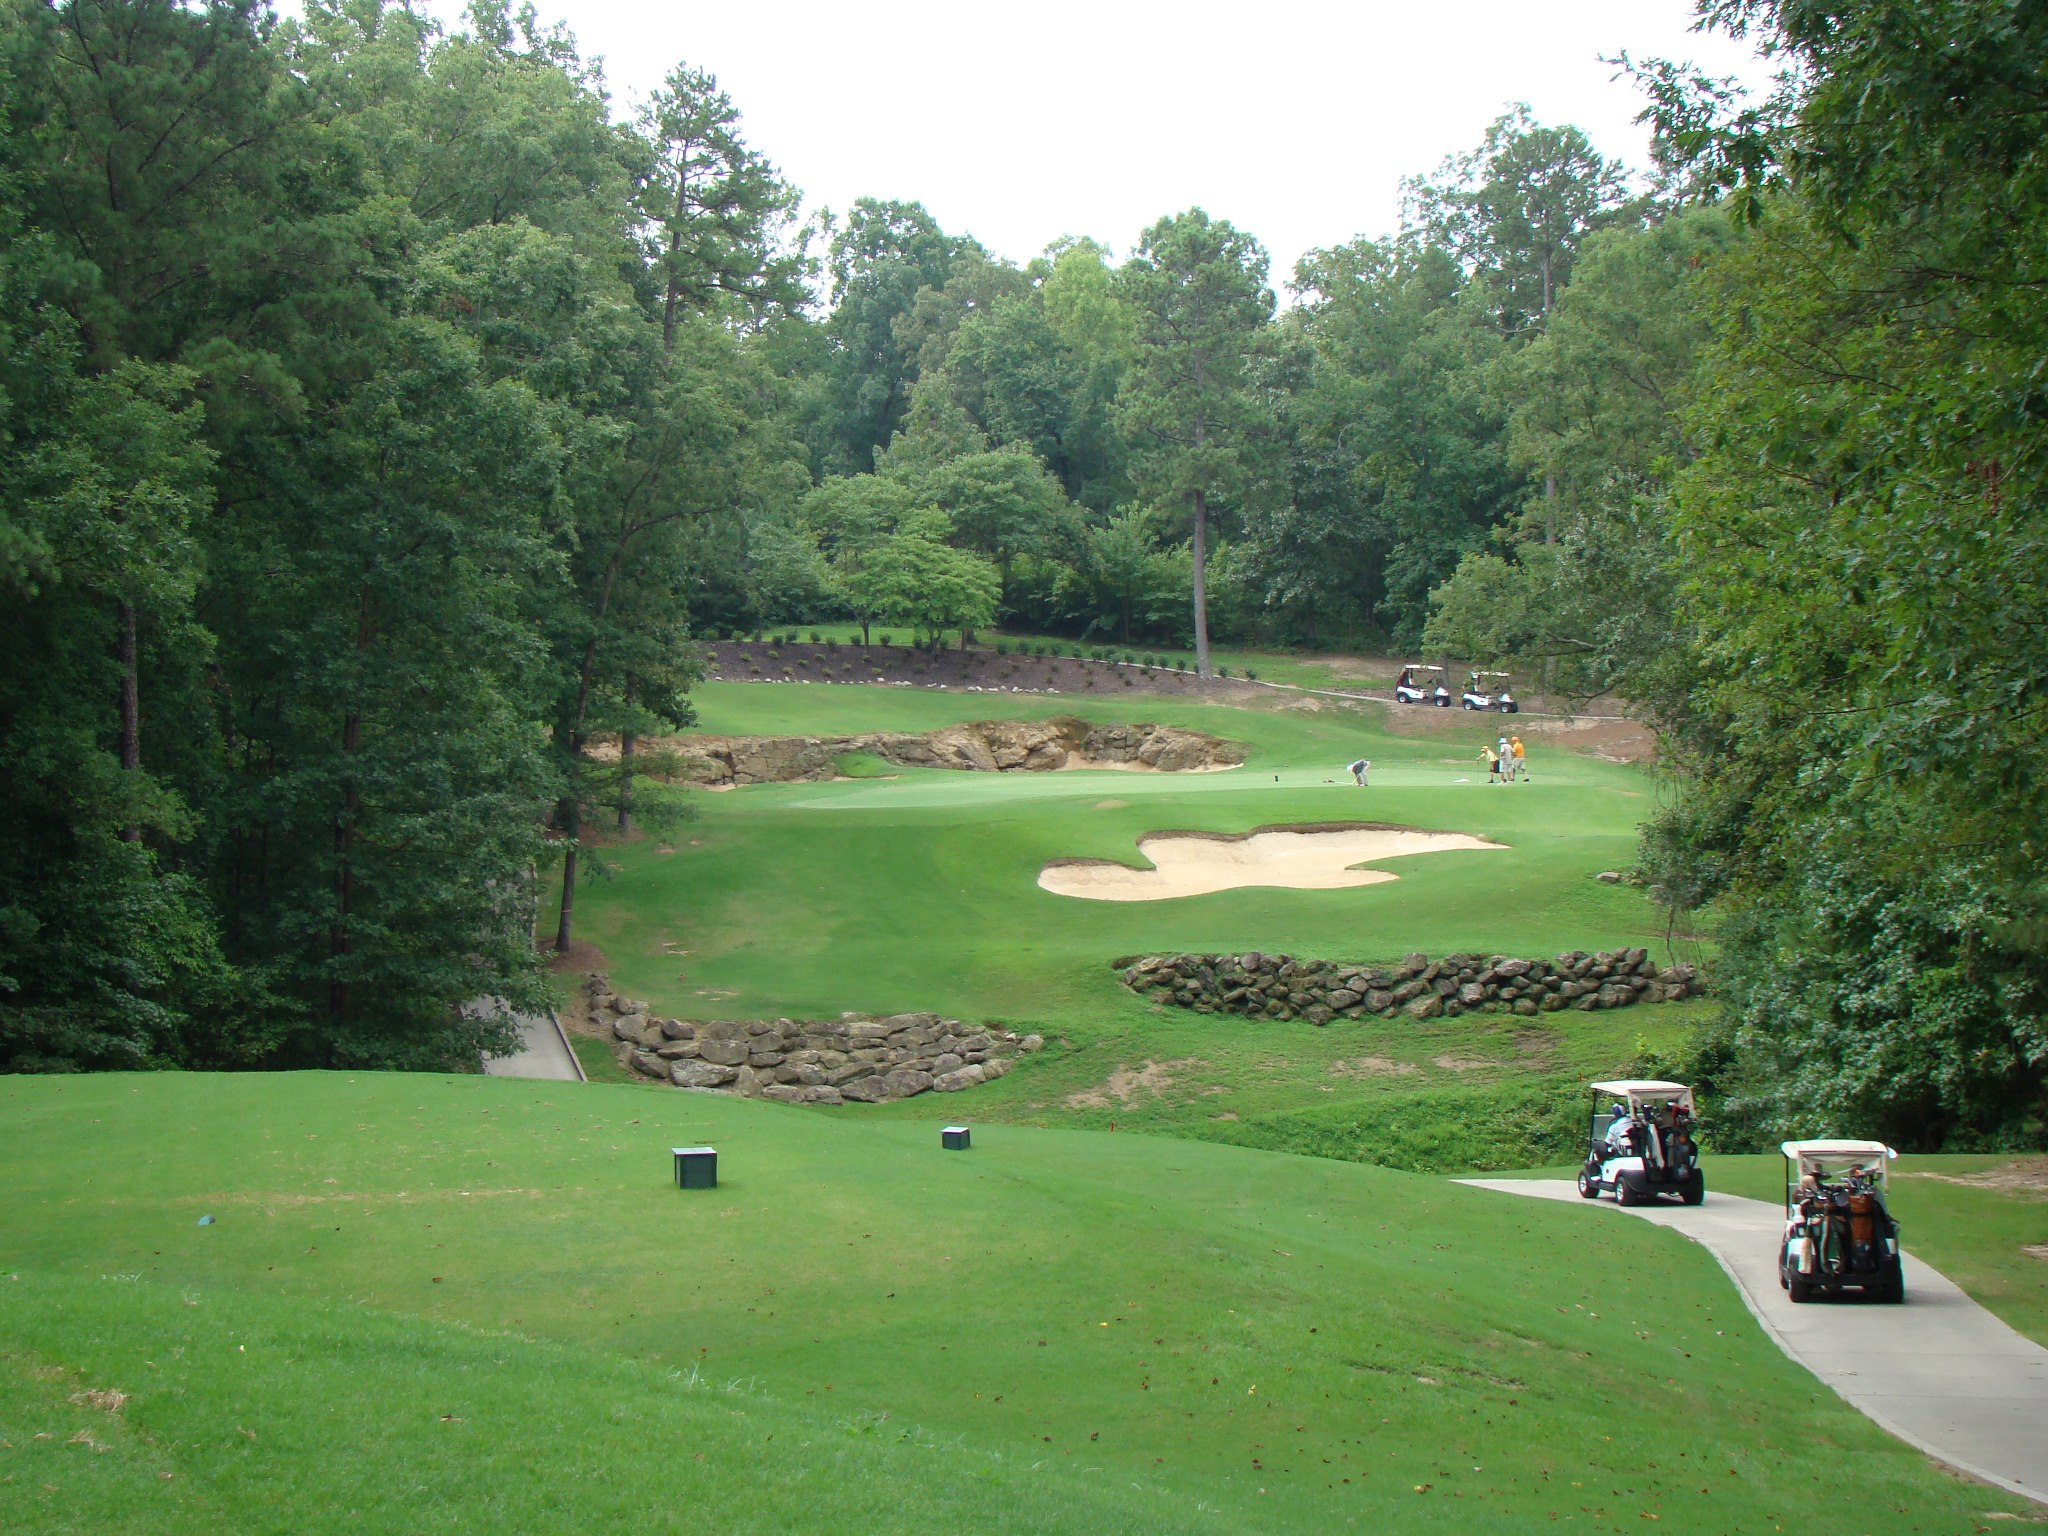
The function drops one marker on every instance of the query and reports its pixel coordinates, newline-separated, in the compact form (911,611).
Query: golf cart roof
(1644,1088)
(1493,674)
(1419,666)
(1800,1150)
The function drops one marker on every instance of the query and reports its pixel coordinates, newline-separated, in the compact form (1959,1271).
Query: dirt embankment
(986,746)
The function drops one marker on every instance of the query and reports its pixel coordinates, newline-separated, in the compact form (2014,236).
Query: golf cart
(1481,693)
(1839,1231)
(1418,684)
(1641,1144)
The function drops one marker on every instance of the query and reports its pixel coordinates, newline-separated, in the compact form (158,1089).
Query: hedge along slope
(1280,987)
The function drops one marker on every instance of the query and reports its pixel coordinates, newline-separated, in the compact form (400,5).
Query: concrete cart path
(544,1051)
(1939,1372)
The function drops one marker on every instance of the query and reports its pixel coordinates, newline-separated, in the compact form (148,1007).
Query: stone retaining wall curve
(854,1058)
(1257,985)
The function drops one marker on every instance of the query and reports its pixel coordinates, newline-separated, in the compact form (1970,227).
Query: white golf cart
(1641,1145)
(1418,684)
(1483,692)
(1839,1232)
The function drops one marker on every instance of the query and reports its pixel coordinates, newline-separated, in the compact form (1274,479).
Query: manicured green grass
(920,891)
(477,1304)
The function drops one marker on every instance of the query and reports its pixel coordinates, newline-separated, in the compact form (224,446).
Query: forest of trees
(382,411)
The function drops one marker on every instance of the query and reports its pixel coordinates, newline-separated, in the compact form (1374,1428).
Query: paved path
(1940,1372)
(545,1053)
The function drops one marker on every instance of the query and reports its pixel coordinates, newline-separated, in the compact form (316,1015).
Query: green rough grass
(478,1304)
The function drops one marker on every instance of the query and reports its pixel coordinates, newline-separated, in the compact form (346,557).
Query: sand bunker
(1199,863)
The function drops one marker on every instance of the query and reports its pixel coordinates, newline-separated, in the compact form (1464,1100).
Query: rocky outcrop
(1281,987)
(986,746)
(851,1059)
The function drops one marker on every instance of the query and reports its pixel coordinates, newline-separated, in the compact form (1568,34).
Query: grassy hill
(472,1304)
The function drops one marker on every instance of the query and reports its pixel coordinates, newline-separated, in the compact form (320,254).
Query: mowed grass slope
(474,1304)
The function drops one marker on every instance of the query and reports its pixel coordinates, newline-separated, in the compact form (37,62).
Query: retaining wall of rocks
(853,1058)
(1281,987)
(983,746)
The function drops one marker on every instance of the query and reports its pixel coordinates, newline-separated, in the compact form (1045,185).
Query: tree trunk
(572,830)
(1201,551)
(626,741)
(131,706)
(675,243)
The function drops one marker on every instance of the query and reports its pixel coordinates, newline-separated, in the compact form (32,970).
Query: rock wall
(1281,987)
(853,1058)
(986,746)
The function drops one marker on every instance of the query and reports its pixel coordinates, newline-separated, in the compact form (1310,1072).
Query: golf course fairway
(919,890)
(433,1303)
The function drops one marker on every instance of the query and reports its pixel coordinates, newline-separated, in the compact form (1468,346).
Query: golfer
(1521,763)
(1359,770)
(1507,761)
(1492,760)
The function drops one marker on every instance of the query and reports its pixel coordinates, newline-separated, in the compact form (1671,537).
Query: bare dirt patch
(1296,858)
(1611,737)
(581,955)
(2022,1176)
(1111,805)
(1361,1067)
(1463,1063)
(1618,741)
(2035,1251)
(1127,1082)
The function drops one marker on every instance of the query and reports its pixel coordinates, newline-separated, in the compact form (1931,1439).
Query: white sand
(1195,864)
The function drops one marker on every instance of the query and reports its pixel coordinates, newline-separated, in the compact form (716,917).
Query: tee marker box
(696,1167)
(955,1138)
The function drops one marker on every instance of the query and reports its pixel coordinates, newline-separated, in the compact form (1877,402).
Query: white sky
(1020,123)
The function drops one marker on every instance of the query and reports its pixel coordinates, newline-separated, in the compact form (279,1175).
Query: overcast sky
(1021,123)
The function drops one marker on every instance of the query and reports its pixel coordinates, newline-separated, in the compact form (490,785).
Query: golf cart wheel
(1695,1189)
(1894,1289)
(1589,1187)
(1470,705)
(1624,1192)
(1799,1289)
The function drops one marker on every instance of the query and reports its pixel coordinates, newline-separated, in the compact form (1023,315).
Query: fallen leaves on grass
(106,1399)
